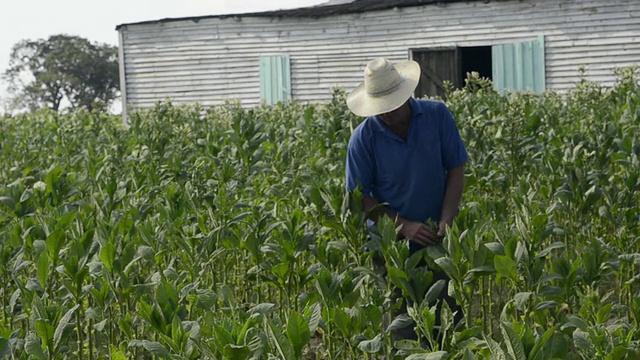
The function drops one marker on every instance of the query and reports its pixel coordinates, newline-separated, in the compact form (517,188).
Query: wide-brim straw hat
(385,88)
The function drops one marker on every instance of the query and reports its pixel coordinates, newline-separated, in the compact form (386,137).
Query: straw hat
(385,88)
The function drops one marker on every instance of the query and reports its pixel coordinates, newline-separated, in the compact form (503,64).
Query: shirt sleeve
(454,153)
(360,164)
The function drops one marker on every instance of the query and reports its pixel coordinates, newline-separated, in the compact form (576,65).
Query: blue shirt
(410,176)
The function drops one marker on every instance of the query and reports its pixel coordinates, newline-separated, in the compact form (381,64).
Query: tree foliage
(43,73)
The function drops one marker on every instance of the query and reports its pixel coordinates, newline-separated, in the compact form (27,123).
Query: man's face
(397,116)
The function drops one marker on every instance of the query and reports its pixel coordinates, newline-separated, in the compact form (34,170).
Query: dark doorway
(478,59)
(449,64)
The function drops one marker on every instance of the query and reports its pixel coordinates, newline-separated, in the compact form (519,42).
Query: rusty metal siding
(212,60)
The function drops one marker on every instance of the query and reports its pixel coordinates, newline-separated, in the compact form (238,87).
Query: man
(407,154)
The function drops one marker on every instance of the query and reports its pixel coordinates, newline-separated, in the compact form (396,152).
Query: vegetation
(43,73)
(227,235)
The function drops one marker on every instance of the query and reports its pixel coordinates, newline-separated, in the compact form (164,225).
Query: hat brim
(363,104)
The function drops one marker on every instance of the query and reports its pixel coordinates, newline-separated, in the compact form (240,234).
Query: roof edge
(316,11)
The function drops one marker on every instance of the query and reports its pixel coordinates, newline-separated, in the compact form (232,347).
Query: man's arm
(452,196)
(412,230)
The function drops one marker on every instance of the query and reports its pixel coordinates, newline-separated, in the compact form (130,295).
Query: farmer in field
(407,154)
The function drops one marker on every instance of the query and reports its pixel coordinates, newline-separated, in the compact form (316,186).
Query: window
(275,79)
(516,66)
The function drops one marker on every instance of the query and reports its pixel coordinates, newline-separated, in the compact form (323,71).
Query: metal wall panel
(213,60)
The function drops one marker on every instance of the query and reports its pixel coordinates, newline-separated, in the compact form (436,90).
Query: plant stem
(80,337)
(490,288)
(484,308)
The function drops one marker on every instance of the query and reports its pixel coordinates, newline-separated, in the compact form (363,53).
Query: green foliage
(228,234)
(44,72)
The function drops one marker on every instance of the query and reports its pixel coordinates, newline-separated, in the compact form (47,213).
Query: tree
(42,73)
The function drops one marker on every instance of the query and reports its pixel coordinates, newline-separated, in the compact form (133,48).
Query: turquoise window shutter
(275,79)
(519,66)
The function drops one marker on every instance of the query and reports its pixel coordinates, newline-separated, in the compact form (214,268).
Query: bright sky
(97,20)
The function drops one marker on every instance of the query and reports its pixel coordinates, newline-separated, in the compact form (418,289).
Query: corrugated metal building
(303,53)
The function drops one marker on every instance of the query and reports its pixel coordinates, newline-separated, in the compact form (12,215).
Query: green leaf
(483,270)
(116,354)
(436,355)
(298,333)
(618,353)
(280,341)
(177,331)
(262,309)
(575,321)
(108,255)
(506,266)
(548,249)
(521,298)
(495,247)
(496,350)
(64,321)
(222,336)
(5,349)
(544,305)
(342,320)
(45,331)
(33,346)
(581,340)
(54,241)
(400,322)
(371,346)
(604,313)
(8,202)
(156,349)
(43,269)
(236,352)
(434,291)
(514,344)
(400,279)
(536,353)
(448,267)
(316,317)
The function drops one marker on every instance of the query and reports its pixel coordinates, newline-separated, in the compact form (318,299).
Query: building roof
(332,7)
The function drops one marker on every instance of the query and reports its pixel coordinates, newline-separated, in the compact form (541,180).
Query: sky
(97,20)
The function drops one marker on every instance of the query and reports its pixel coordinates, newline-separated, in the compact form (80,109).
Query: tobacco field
(227,234)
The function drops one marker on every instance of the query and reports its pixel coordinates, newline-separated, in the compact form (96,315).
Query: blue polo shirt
(410,176)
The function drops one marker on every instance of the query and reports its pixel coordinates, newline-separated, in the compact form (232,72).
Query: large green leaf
(43,269)
(400,322)
(497,351)
(45,331)
(108,255)
(153,347)
(33,346)
(236,352)
(371,346)
(280,341)
(513,342)
(298,333)
(315,317)
(436,355)
(434,291)
(537,353)
(506,266)
(62,325)
(5,349)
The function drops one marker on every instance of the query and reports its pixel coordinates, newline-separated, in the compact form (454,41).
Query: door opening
(449,64)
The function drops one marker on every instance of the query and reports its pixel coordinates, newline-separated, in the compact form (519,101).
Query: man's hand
(419,233)
(442,228)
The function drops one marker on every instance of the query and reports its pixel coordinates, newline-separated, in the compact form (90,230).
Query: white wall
(214,59)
